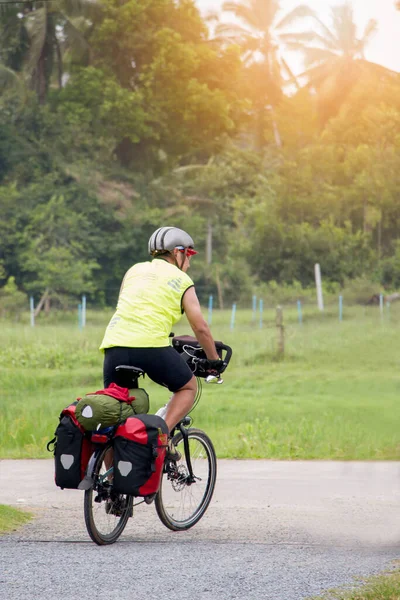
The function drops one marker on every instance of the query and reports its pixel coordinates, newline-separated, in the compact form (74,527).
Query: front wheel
(106,513)
(182,501)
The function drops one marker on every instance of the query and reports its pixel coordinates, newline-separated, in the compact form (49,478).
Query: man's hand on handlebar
(215,367)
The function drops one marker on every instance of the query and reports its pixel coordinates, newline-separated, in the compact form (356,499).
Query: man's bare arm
(201,330)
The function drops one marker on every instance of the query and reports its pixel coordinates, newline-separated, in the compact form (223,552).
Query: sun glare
(384,48)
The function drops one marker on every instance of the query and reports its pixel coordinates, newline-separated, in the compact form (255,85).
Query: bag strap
(53,441)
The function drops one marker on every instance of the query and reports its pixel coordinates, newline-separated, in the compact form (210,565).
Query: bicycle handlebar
(196,357)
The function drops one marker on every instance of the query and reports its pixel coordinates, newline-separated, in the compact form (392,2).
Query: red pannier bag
(139,452)
(72,449)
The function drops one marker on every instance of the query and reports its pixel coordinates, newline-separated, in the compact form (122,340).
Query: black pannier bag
(72,450)
(139,451)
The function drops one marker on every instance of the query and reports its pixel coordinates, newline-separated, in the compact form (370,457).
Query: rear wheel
(106,513)
(181,502)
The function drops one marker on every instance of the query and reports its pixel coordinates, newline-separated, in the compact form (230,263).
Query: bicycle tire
(179,503)
(106,513)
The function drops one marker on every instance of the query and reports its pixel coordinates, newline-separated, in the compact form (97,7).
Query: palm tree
(9,80)
(260,37)
(334,58)
(42,32)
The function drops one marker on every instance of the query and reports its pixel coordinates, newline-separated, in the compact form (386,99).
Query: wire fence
(258,312)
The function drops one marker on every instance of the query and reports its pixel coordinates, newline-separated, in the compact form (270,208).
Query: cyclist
(152,298)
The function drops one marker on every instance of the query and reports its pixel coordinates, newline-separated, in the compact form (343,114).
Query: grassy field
(335,395)
(382,587)
(12,518)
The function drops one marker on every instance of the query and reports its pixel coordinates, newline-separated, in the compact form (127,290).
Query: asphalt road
(274,531)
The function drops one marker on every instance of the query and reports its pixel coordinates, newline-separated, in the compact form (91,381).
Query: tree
(335,58)
(34,41)
(12,300)
(9,80)
(158,53)
(56,259)
(207,193)
(260,36)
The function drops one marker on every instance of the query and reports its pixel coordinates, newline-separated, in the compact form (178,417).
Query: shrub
(12,301)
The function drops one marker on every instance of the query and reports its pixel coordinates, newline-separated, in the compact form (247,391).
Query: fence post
(80,315)
(280,331)
(254,307)
(233,316)
(83,310)
(32,309)
(340,308)
(299,312)
(318,285)
(381,304)
(210,308)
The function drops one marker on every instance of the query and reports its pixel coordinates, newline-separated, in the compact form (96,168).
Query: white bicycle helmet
(167,238)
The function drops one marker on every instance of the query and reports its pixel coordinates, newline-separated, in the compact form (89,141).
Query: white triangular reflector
(67,460)
(87,412)
(124,467)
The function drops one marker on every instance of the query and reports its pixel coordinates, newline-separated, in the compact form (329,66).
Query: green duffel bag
(96,411)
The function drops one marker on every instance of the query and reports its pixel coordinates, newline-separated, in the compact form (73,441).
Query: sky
(383,49)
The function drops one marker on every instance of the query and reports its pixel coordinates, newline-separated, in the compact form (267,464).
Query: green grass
(335,395)
(381,587)
(12,518)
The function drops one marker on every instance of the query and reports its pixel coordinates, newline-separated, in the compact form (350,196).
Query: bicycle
(186,487)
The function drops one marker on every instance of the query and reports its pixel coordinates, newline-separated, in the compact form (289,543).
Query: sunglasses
(187,251)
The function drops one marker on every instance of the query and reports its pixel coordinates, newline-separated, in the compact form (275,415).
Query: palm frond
(344,27)
(8,79)
(243,11)
(75,39)
(370,30)
(231,6)
(212,17)
(251,45)
(265,13)
(326,33)
(79,7)
(237,36)
(307,36)
(231,30)
(300,12)
(316,75)
(314,56)
(36,25)
(288,71)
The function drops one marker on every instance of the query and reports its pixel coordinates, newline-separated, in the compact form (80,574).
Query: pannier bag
(139,452)
(72,450)
(110,406)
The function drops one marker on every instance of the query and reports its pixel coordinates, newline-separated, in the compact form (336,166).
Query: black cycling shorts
(163,365)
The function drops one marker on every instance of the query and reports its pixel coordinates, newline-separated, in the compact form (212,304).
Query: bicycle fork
(191,478)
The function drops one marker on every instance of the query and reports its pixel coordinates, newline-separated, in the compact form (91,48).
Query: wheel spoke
(106,513)
(182,501)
